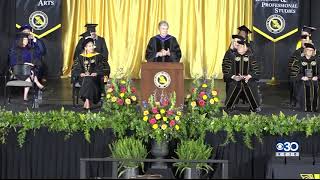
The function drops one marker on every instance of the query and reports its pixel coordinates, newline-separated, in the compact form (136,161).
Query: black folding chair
(16,78)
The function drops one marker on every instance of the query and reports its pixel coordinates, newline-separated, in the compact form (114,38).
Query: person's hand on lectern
(159,54)
(94,74)
(167,53)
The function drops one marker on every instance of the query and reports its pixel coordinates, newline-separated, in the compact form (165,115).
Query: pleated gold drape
(203,29)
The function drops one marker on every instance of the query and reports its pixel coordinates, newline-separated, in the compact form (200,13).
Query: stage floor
(59,94)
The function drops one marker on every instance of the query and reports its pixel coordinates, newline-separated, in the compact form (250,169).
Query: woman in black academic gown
(87,67)
(306,72)
(163,47)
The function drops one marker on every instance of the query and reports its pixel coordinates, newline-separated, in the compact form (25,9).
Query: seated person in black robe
(24,53)
(163,47)
(242,73)
(87,68)
(305,38)
(100,47)
(305,71)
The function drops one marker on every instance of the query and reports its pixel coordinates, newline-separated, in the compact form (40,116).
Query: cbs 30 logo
(288,146)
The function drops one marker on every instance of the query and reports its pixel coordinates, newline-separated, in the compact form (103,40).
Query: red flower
(152,121)
(165,103)
(193,89)
(169,113)
(172,123)
(202,94)
(201,103)
(155,110)
(133,90)
(123,89)
(120,102)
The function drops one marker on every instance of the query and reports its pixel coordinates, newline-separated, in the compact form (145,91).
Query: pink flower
(202,94)
(172,123)
(120,102)
(201,103)
(123,89)
(152,121)
(169,113)
(155,110)
(165,103)
(133,90)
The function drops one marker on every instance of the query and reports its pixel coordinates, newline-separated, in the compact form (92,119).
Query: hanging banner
(276,19)
(42,15)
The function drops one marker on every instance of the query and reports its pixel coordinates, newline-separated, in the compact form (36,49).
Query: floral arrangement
(121,103)
(160,119)
(203,98)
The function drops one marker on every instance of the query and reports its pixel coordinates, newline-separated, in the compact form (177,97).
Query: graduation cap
(91,27)
(308,29)
(86,41)
(309,45)
(85,35)
(304,37)
(245,29)
(238,37)
(26,26)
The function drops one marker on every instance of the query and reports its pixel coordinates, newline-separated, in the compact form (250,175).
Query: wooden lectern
(162,77)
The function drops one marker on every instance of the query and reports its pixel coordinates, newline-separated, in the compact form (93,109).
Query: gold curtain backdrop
(203,29)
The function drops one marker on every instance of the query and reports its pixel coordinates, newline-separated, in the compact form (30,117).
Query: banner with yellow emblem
(276,19)
(42,15)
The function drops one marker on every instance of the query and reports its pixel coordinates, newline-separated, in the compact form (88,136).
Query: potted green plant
(193,150)
(129,148)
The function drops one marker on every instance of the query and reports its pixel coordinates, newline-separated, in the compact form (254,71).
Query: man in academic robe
(306,73)
(242,73)
(163,47)
(304,38)
(99,42)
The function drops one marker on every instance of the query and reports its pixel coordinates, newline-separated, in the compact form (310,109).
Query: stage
(47,154)
(58,94)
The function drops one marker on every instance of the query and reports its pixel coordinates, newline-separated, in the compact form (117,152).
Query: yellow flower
(214,93)
(114,99)
(145,118)
(216,99)
(164,126)
(155,126)
(128,101)
(177,118)
(123,82)
(193,104)
(204,85)
(158,116)
(177,127)
(108,96)
(212,101)
(157,103)
(204,97)
(179,113)
(162,111)
(165,119)
(188,96)
(109,90)
(145,113)
(121,94)
(134,98)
